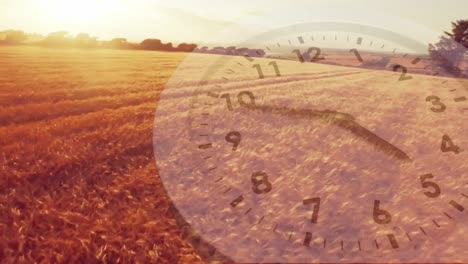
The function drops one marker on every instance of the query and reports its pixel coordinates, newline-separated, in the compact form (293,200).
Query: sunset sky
(200,21)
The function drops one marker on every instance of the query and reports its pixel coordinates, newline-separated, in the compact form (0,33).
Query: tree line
(62,39)
(83,40)
(448,53)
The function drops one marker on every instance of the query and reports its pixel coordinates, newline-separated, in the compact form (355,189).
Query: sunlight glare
(78,11)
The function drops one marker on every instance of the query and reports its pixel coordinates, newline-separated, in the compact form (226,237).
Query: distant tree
(218,50)
(13,37)
(184,47)
(58,39)
(34,38)
(156,44)
(58,35)
(242,51)
(167,47)
(120,43)
(231,50)
(450,50)
(84,40)
(460,32)
(151,44)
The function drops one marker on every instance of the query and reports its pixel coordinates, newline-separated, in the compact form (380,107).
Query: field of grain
(78,178)
(79,181)
(308,154)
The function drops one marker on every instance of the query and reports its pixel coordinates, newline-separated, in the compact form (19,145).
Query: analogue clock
(319,142)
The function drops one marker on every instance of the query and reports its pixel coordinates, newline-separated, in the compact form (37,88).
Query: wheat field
(78,182)
(79,179)
(304,157)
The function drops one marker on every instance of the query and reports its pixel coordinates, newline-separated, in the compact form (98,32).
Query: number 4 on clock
(448,145)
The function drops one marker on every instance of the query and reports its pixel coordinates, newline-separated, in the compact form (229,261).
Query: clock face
(342,144)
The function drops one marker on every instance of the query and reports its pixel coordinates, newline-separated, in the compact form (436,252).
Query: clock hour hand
(342,120)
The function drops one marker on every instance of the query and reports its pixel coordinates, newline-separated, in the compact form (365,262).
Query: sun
(78,11)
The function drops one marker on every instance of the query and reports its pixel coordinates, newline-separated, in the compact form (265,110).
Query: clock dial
(289,157)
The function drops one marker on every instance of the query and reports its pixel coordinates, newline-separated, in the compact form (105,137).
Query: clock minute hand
(372,138)
(343,120)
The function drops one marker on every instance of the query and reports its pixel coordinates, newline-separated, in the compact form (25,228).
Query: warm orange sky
(188,20)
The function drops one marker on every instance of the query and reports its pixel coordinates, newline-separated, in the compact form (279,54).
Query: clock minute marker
(359,41)
(423,231)
(205,146)
(416,60)
(393,241)
(220,179)
(450,217)
(301,39)
(261,220)
(408,236)
(248,211)
(212,169)
(237,201)
(457,206)
(274,228)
